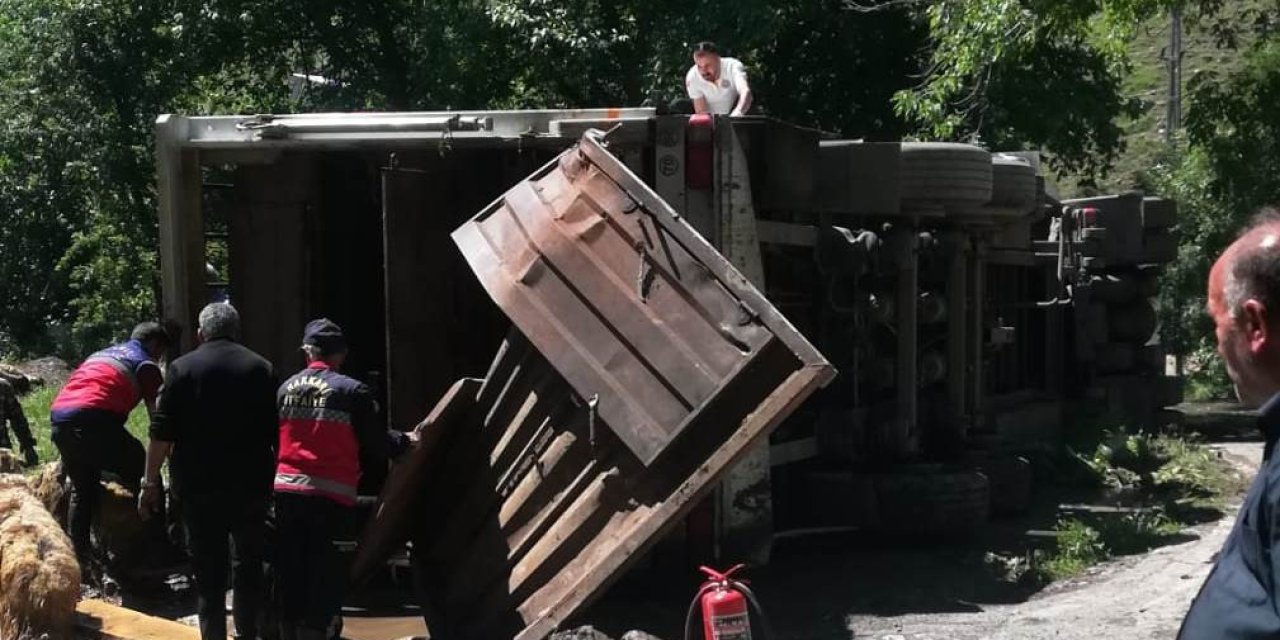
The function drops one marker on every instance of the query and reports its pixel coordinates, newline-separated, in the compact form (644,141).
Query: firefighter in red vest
(88,418)
(328,433)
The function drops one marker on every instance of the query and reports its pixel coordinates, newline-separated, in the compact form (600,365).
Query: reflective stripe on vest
(106,381)
(303,483)
(120,366)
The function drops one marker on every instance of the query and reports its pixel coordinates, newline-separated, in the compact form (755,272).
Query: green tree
(1045,74)
(1229,170)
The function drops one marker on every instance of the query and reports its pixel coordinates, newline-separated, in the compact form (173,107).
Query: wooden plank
(100,620)
(787,233)
(419,301)
(563,599)
(483,479)
(512,351)
(547,466)
(181,228)
(389,526)
(566,526)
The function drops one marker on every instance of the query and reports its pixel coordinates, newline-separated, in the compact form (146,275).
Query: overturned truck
(688,332)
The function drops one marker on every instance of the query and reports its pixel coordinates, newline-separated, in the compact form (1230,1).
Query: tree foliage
(1229,170)
(1044,74)
(81,82)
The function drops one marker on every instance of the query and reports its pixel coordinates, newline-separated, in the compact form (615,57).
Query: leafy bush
(1079,547)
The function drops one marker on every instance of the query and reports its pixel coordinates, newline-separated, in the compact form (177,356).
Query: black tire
(1013,183)
(1115,357)
(945,174)
(1149,282)
(1158,213)
(1010,478)
(1133,323)
(1172,390)
(942,504)
(848,499)
(1159,248)
(1114,289)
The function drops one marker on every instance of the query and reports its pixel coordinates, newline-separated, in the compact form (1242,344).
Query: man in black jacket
(1241,597)
(217,416)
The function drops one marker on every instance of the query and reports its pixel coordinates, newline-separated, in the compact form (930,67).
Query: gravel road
(1136,597)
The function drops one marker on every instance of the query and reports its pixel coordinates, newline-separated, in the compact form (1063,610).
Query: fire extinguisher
(724,603)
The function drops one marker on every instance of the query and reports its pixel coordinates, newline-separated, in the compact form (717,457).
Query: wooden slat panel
(558,499)
(419,300)
(576,275)
(390,524)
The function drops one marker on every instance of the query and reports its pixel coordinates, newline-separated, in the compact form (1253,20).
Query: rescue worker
(1241,597)
(11,413)
(217,417)
(88,417)
(328,435)
(716,84)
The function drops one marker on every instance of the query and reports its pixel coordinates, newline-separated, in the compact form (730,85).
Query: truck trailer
(626,331)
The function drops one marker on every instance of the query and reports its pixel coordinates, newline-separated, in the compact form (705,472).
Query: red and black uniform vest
(324,416)
(111,381)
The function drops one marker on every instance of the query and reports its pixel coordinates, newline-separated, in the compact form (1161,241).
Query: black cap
(324,334)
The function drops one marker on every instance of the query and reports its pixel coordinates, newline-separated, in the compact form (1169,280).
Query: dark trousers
(218,526)
(90,444)
(311,571)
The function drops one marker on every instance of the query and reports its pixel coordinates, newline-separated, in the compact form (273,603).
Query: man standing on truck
(1240,598)
(328,435)
(88,417)
(715,84)
(217,416)
(11,412)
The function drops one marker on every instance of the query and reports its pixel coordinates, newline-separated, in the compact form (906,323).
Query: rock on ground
(49,370)
(591,633)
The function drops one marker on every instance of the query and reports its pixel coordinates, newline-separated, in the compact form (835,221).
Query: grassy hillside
(1148,82)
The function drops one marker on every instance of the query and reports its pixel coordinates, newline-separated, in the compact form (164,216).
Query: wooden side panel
(270,258)
(615,299)
(419,300)
(631,333)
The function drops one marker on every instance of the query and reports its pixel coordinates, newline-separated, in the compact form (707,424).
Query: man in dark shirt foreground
(1239,598)
(217,417)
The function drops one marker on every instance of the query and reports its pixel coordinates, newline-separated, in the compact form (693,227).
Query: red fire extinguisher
(724,603)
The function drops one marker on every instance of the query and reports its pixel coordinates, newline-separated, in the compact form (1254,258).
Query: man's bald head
(1244,300)
(1251,266)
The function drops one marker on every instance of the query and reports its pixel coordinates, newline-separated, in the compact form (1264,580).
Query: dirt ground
(848,587)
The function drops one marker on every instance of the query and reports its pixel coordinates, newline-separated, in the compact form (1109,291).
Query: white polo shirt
(722,95)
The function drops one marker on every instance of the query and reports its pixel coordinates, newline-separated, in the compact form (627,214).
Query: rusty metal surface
(529,506)
(525,509)
(630,305)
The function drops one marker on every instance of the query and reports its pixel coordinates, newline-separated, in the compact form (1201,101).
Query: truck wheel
(1149,281)
(1132,323)
(934,504)
(1013,183)
(1159,248)
(1010,478)
(848,499)
(1114,289)
(945,173)
(1115,357)
(1158,213)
